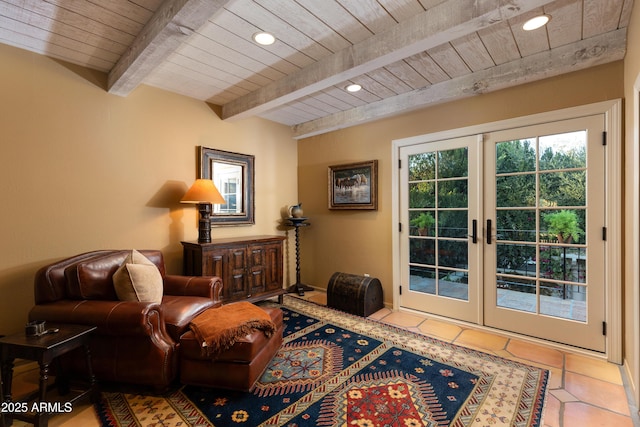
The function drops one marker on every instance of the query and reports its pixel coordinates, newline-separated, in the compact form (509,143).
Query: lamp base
(204,224)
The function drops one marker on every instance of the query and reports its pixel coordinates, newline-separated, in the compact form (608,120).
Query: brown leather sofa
(135,342)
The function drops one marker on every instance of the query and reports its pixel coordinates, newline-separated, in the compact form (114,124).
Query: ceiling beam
(170,26)
(597,50)
(449,20)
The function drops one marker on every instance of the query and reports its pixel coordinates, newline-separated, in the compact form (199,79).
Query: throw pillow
(138,279)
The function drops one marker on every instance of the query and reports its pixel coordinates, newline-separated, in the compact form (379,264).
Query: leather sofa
(135,342)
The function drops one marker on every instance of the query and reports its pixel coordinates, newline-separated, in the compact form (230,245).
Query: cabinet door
(273,266)
(257,258)
(213,263)
(235,279)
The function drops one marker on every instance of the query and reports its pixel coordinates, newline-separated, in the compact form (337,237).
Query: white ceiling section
(406,54)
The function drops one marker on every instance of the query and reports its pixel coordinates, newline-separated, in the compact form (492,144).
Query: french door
(440,249)
(506,230)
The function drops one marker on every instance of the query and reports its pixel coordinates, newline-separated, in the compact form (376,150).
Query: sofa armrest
(194,286)
(128,318)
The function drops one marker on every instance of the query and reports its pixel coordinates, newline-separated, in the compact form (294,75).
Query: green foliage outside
(533,189)
(424,221)
(561,179)
(564,225)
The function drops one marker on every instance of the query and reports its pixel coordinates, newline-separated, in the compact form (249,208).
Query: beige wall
(360,242)
(632,208)
(82,169)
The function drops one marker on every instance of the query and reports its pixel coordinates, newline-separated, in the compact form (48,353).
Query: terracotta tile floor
(582,391)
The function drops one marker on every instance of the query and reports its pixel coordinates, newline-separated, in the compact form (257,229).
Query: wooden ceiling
(406,54)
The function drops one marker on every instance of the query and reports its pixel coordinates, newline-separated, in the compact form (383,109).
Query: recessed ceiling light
(353,87)
(536,22)
(264,38)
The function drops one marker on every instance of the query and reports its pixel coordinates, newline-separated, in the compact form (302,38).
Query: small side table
(43,349)
(298,287)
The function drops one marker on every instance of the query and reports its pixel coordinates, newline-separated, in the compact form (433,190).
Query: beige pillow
(138,279)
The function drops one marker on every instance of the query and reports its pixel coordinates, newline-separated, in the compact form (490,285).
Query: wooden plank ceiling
(406,54)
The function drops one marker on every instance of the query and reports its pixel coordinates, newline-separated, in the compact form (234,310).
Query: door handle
(474,231)
(488,232)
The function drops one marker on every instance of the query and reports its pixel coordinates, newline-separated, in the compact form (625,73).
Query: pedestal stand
(298,287)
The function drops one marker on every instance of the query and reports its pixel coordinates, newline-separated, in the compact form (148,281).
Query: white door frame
(632,233)
(612,111)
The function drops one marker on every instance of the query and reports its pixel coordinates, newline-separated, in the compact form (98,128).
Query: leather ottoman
(237,368)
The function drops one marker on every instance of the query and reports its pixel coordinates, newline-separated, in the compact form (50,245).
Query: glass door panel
(545,194)
(438,209)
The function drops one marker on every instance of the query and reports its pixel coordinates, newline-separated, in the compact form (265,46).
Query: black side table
(43,349)
(298,287)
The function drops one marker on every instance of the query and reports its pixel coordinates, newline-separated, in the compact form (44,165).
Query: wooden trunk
(359,295)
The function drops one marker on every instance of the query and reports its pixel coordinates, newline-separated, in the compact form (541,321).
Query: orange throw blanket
(218,329)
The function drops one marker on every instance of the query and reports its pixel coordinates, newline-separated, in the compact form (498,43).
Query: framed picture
(354,186)
(233,176)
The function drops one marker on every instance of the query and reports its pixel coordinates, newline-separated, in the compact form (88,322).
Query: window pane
(453,284)
(516,156)
(453,224)
(565,301)
(563,151)
(422,223)
(452,163)
(516,225)
(516,191)
(562,226)
(422,251)
(422,195)
(452,194)
(422,279)
(563,263)
(422,166)
(516,259)
(563,188)
(518,294)
(453,253)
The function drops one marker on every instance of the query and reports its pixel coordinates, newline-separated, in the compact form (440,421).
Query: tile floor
(582,391)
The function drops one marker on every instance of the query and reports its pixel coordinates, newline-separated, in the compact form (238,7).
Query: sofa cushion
(138,279)
(91,278)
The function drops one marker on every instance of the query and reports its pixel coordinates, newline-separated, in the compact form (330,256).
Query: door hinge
(399,163)
(604,328)
(400,290)
(604,233)
(400,227)
(604,138)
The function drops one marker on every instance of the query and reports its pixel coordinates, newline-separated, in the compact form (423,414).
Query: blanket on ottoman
(217,329)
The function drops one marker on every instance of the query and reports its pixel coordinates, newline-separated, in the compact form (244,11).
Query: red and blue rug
(335,369)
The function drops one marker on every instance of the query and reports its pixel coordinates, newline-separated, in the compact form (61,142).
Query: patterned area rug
(335,369)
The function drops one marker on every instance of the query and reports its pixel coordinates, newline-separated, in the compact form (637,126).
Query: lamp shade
(203,191)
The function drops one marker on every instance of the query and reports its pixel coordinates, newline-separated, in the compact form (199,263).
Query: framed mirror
(233,176)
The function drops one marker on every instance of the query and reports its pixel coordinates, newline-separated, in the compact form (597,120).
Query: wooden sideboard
(251,268)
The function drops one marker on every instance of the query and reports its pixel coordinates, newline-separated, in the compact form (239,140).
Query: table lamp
(204,193)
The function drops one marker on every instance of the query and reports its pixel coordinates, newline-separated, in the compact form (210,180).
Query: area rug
(335,369)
